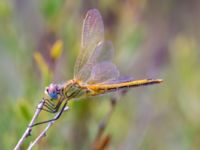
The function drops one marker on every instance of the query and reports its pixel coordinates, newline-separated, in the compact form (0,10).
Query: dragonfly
(94,72)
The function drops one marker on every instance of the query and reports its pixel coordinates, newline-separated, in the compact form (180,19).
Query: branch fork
(27,132)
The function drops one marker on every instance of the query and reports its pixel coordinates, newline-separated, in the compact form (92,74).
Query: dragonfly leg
(56,109)
(47,108)
(57,117)
(51,109)
(49,102)
(46,104)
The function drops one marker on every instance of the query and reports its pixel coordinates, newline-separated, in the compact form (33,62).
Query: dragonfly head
(52,90)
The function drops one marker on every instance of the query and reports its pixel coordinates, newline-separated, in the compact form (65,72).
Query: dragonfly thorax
(73,89)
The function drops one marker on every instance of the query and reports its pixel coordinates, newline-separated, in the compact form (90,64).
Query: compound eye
(53,95)
(52,91)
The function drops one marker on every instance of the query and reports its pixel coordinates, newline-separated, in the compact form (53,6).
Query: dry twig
(29,128)
(43,133)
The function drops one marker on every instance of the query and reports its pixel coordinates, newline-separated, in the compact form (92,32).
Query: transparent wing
(103,52)
(103,72)
(121,79)
(92,35)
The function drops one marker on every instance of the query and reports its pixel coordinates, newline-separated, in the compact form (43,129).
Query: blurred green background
(152,39)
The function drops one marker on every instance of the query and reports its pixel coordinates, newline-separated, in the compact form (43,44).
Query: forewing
(103,52)
(92,35)
(93,28)
(103,72)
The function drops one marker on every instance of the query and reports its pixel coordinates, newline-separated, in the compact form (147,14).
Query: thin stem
(43,133)
(106,119)
(29,128)
(99,142)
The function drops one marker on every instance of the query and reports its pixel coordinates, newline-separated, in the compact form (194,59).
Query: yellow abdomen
(103,88)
